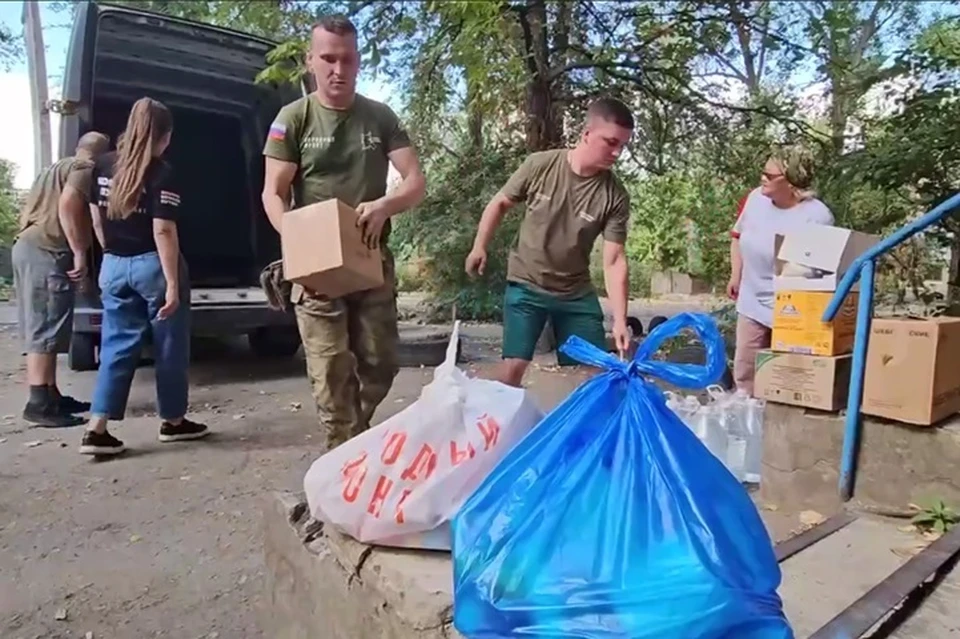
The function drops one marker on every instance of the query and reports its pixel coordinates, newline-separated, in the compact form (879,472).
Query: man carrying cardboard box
(335,143)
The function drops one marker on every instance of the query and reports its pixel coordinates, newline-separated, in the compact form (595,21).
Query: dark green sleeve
(518,185)
(395,136)
(283,138)
(615,230)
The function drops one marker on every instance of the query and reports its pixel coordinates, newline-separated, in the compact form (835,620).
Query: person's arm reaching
(277,180)
(736,260)
(409,193)
(76,227)
(168,246)
(489,221)
(166,205)
(71,211)
(736,269)
(616,273)
(515,190)
(412,188)
(616,279)
(97,225)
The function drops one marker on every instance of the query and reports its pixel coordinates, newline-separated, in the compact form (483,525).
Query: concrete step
(938,617)
(822,580)
(898,464)
(329,585)
(827,577)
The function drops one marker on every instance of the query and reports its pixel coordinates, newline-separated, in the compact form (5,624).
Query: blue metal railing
(864,268)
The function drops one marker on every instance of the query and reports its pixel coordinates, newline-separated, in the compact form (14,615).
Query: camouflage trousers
(350,344)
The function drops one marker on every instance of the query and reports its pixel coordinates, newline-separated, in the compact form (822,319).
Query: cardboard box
(809,381)
(913,370)
(798,325)
(323,250)
(828,250)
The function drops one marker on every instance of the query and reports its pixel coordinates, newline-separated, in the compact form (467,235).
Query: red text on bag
(420,468)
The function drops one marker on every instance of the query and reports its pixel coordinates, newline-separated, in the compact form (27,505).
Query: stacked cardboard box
(808,363)
(911,372)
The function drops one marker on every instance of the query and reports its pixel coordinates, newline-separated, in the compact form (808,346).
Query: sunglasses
(771,176)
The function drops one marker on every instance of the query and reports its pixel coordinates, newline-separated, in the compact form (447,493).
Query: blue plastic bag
(611,519)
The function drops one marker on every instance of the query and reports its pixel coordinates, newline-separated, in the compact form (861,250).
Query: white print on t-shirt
(757,227)
(369,141)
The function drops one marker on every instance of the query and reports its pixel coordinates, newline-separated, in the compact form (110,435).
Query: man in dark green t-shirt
(335,143)
(572,198)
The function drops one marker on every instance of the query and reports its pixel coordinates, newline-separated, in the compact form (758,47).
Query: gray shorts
(44,297)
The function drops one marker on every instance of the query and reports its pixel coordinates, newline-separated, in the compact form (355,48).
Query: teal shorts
(526,311)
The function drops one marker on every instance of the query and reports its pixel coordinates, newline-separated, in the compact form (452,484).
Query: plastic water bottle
(674,403)
(735,408)
(715,432)
(754,428)
(693,412)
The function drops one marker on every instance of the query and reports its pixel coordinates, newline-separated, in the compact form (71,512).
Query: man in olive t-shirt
(572,198)
(335,143)
(49,259)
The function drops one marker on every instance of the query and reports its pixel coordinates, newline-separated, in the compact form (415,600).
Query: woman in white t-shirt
(784,199)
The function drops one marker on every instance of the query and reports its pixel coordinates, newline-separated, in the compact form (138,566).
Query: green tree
(9,203)
(11,47)
(713,84)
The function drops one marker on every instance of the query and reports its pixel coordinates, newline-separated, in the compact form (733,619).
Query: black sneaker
(69,405)
(100,444)
(183,431)
(50,416)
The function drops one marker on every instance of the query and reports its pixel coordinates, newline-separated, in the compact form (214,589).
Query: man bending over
(572,197)
(49,259)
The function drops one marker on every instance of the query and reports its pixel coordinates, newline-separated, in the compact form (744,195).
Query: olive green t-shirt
(565,215)
(341,154)
(40,216)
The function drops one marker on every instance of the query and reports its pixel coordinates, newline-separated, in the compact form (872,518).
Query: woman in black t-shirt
(143,280)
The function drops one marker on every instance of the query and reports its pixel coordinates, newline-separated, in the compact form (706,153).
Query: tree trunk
(542,126)
(838,116)
(474,117)
(953,280)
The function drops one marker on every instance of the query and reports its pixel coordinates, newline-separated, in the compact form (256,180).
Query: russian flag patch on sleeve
(278,131)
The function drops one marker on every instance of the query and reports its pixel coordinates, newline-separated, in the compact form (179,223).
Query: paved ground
(165,541)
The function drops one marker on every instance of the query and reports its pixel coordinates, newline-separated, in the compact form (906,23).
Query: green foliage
(712,85)
(682,220)
(441,234)
(9,204)
(936,517)
(11,47)
(659,225)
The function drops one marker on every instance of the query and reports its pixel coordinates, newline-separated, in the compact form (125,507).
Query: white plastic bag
(399,483)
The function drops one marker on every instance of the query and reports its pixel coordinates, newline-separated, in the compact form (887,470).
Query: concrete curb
(323,584)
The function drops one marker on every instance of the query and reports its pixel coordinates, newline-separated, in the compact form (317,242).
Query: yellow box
(797,325)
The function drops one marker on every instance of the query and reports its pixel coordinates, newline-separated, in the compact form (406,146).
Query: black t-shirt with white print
(160,199)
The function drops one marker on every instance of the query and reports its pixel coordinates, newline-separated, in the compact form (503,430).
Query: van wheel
(274,342)
(82,355)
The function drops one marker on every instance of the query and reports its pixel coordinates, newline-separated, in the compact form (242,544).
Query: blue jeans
(133,289)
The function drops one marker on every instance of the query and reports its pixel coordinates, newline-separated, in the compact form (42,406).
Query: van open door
(206,75)
(76,95)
